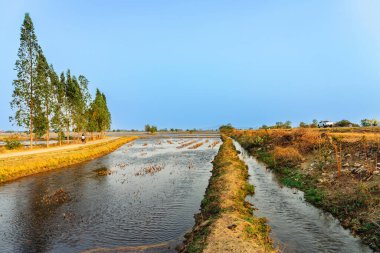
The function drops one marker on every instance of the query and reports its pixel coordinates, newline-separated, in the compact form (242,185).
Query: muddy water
(296,225)
(144,193)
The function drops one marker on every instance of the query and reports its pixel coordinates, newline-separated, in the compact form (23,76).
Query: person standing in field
(83,138)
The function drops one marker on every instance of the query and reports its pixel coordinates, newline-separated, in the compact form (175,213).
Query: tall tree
(107,116)
(46,94)
(82,99)
(24,95)
(58,118)
(70,94)
(99,115)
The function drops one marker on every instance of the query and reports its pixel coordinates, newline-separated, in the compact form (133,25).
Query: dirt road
(54,149)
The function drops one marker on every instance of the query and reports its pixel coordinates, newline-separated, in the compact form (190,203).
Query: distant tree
(369,122)
(153,129)
(280,124)
(150,128)
(288,124)
(303,125)
(264,127)
(345,123)
(25,93)
(226,129)
(314,124)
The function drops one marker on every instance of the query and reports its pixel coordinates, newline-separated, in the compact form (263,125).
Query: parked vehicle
(325,123)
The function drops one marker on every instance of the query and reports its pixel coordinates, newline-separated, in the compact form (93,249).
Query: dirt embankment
(226,222)
(339,172)
(14,167)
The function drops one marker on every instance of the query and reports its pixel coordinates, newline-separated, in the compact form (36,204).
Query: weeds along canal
(144,193)
(296,226)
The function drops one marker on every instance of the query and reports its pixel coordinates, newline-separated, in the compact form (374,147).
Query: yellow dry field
(14,167)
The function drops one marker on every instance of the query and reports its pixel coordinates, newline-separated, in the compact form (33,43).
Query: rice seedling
(196,145)
(212,145)
(150,170)
(186,144)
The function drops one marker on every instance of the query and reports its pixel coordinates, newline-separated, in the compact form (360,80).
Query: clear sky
(187,64)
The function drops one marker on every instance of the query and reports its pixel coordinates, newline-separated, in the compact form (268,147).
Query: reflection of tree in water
(34,225)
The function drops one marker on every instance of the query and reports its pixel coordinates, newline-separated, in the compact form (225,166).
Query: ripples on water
(118,209)
(296,225)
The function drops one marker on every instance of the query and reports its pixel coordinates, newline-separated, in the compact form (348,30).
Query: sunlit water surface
(116,211)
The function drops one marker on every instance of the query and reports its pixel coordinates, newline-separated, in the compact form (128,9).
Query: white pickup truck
(325,123)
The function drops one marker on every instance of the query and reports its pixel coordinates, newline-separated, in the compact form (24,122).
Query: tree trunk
(31,99)
(48,126)
(68,132)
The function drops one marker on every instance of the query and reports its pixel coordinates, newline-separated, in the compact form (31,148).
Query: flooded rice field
(296,225)
(142,197)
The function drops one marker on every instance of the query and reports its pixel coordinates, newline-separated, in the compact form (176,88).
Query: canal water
(140,198)
(296,225)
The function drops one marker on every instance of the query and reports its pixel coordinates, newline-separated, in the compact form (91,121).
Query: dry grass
(287,156)
(15,167)
(338,169)
(212,145)
(196,145)
(186,144)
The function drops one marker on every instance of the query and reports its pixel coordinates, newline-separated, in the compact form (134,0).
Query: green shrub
(12,144)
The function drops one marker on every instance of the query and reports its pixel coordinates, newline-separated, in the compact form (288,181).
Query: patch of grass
(199,241)
(250,189)
(291,178)
(314,195)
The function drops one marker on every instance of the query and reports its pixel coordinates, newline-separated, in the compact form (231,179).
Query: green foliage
(314,124)
(345,123)
(12,144)
(99,117)
(369,122)
(150,129)
(26,91)
(42,101)
(250,189)
(314,195)
(226,129)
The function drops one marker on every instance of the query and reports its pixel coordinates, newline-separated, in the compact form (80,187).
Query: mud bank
(226,222)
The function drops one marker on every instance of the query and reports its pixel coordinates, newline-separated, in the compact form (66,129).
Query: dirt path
(16,165)
(54,149)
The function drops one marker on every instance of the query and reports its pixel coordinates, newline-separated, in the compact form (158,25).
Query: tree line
(44,101)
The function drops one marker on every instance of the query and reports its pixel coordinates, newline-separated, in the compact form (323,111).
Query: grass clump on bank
(226,222)
(24,165)
(337,171)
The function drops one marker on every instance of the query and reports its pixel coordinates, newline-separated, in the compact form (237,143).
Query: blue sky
(199,64)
